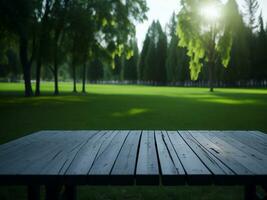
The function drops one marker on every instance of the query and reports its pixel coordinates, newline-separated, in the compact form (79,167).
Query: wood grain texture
(250,139)
(197,172)
(171,168)
(221,153)
(85,157)
(106,158)
(124,157)
(245,159)
(123,171)
(147,171)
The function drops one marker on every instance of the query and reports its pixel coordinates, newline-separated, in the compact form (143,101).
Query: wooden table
(71,158)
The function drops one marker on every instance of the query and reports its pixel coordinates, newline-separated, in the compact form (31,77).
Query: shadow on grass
(215,97)
(204,110)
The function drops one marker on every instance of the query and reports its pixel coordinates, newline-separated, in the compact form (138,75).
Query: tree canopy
(85,26)
(60,40)
(207,38)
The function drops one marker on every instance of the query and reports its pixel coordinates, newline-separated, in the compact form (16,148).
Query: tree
(81,34)
(111,25)
(177,60)
(239,65)
(43,12)
(117,68)
(21,23)
(13,64)
(59,16)
(261,60)
(143,55)
(251,9)
(48,30)
(9,63)
(155,59)
(207,36)
(95,69)
(131,64)
(161,55)
(150,61)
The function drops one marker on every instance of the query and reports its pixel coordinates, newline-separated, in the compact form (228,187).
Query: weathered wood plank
(222,173)
(58,162)
(197,172)
(85,157)
(178,165)
(166,165)
(46,167)
(20,141)
(255,136)
(171,173)
(247,160)
(249,139)
(22,144)
(70,156)
(106,158)
(222,154)
(259,134)
(17,161)
(252,152)
(124,168)
(118,157)
(147,171)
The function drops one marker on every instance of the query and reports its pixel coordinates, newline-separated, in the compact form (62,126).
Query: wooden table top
(127,157)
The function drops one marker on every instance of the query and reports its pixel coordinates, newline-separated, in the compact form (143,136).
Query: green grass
(132,107)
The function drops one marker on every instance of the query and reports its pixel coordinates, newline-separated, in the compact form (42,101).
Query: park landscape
(133,107)
(77,65)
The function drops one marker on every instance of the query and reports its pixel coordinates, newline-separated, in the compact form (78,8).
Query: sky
(162,10)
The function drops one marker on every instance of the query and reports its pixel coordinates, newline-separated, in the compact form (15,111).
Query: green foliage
(238,68)
(177,60)
(150,61)
(141,65)
(117,70)
(131,63)
(260,51)
(205,40)
(231,19)
(189,33)
(79,27)
(95,70)
(57,34)
(155,58)
(251,8)
(224,48)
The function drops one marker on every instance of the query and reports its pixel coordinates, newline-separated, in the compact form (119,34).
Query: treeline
(95,40)
(61,38)
(162,61)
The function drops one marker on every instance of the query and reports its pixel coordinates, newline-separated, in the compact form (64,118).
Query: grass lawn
(132,107)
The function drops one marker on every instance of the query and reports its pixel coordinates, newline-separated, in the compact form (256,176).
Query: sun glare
(210,12)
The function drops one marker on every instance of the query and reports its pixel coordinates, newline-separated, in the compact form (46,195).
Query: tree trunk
(40,55)
(23,51)
(211,75)
(38,76)
(74,77)
(42,40)
(84,78)
(56,91)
